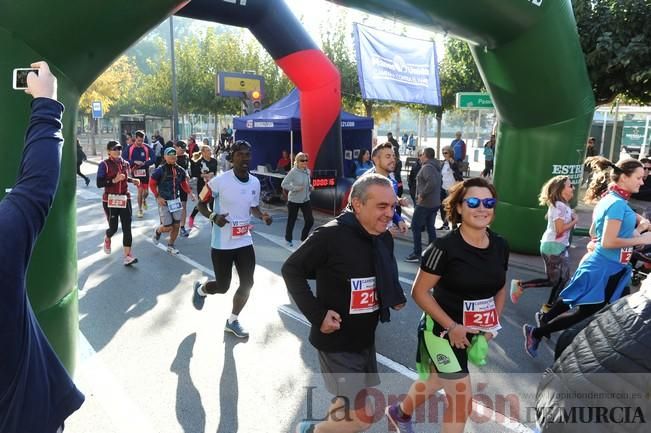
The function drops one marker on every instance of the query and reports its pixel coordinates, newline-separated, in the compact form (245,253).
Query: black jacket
(333,255)
(604,367)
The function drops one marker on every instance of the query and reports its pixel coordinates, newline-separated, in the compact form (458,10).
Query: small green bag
(478,350)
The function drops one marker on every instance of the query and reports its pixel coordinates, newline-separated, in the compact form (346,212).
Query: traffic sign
(474,101)
(234,84)
(97,110)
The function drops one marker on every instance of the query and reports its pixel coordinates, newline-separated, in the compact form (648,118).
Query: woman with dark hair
(467,270)
(603,275)
(556,194)
(363,162)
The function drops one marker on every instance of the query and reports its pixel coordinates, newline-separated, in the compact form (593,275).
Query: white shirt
(560,211)
(447,176)
(236,198)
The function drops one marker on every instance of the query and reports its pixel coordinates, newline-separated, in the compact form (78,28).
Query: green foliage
(616,40)
(458,72)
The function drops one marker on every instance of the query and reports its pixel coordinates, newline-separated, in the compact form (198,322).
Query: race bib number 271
(481,314)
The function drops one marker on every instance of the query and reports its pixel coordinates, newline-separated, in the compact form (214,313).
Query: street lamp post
(175,108)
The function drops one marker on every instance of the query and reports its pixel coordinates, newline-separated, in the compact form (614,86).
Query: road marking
(117,402)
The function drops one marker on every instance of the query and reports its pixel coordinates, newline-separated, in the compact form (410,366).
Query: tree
(616,40)
(116,82)
(458,72)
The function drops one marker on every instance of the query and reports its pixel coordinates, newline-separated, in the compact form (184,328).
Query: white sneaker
(129,260)
(140,213)
(172,250)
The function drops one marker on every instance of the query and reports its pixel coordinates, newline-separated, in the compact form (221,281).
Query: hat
(181,144)
(170,151)
(113,145)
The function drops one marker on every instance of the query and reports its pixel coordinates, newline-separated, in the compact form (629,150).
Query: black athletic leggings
(292,214)
(112,215)
(558,318)
(222,263)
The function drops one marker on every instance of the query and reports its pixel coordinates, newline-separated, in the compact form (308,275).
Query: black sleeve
(301,266)
(507,253)
(435,257)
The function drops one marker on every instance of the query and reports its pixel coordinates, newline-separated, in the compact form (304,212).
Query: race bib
(481,314)
(174,205)
(625,255)
(117,201)
(140,172)
(240,229)
(363,296)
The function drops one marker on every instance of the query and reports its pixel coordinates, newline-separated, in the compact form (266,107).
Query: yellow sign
(235,84)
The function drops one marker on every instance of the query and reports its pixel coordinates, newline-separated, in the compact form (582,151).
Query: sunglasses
(303,160)
(474,202)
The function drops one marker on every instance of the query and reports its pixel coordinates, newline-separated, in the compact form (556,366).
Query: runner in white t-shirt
(236,197)
(556,194)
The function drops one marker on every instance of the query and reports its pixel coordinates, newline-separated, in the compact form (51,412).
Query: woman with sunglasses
(298,184)
(556,194)
(467,270)
(603,275)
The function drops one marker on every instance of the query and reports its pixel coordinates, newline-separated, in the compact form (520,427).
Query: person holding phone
(36,393)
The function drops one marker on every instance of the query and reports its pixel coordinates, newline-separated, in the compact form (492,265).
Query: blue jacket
(36,393)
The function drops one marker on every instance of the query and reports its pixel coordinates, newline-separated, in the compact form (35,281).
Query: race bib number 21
(363,296)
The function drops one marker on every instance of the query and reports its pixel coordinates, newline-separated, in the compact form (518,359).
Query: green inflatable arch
(527,51)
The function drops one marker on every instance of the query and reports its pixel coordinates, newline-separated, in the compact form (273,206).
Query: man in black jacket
(356,275)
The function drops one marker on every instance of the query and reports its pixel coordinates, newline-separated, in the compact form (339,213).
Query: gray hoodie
(297,182)
(428,184)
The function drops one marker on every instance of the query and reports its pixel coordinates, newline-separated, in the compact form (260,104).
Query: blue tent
(273,129)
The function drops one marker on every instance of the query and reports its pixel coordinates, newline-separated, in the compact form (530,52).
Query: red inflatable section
(320,85)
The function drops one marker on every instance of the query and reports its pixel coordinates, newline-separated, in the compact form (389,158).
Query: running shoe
(191,223)
(516,291)
(402,425)
(290,244)
(140,213)
(197,299)
(544,308)
(87,181)
(184,233)
(156,237)
(305,427)
(171,249)
(107,245)
(444,227)
(236,329)
(129,260)
(412,258)
(530,342)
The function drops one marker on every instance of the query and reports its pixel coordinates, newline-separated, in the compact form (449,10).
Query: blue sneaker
(402,425)
(305,427)
(236,329)
(530,342)
(197,299)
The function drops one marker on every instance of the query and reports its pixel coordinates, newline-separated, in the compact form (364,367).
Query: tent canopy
(285,115)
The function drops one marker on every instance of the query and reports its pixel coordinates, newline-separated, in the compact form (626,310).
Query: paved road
(149,362)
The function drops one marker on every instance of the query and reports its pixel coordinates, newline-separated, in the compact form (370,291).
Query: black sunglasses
(474,202)
(303,160)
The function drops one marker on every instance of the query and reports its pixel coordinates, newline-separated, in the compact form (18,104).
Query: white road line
(96,380)
(508,424)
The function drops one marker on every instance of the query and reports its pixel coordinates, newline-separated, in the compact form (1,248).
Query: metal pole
(175,108)
(614,133)
(646,135)
(603,133)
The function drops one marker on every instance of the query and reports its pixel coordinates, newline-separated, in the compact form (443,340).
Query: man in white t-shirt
(236,197)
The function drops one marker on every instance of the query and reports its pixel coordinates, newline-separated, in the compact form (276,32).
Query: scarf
(387,285)
(620,191)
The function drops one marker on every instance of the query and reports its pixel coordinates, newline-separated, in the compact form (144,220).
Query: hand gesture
(120,177)
(136,182)
(266,218)
(331,322)
(43,85)
(402,226)
(221,220)
(457,336)
(161,201)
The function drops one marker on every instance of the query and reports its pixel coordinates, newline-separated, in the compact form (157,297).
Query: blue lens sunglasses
(473,202)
